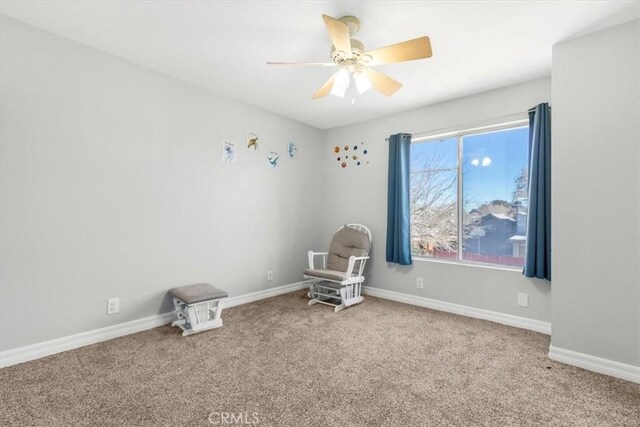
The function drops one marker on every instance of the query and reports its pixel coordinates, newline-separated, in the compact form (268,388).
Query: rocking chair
(339,282)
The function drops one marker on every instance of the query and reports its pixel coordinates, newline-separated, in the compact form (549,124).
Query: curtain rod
(471,125)
(462,127)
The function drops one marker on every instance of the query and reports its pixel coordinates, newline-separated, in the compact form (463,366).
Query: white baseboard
(463,310)
(267,293)
(58,345)
(595,364)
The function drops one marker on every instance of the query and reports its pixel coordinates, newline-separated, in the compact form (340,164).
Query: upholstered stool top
(192,294)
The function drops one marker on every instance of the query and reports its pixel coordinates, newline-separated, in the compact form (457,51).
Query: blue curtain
(538,255)
(398,203)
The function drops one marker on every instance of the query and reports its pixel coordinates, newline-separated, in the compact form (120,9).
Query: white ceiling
(223,45)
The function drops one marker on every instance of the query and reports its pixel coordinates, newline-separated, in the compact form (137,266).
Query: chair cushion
(192,294)
(326,274)
(345,243)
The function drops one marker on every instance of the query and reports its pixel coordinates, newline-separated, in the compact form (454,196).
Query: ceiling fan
(352,59)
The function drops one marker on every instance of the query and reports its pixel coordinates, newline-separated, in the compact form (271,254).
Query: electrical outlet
(270,275)
(113,305)
(523,300)
(420,283)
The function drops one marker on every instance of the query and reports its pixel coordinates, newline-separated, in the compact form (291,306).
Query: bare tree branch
(434,211)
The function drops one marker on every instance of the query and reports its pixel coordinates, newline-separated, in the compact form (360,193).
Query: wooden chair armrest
(352,263)
(312,254)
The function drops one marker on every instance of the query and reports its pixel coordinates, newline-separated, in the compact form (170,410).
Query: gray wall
(359,194)
(596,194)
(112,186)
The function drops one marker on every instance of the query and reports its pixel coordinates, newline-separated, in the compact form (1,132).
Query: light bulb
(342,78)
(363,83)
(486,161)
(338,90)
(475,162)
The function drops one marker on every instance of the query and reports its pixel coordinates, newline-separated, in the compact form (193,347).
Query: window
(469,196)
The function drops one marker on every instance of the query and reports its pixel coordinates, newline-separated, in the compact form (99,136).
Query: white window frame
(459,135)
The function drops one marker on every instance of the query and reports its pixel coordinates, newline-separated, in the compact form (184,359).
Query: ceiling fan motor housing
(357,57)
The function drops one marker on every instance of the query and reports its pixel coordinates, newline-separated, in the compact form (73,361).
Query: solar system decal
(351,155)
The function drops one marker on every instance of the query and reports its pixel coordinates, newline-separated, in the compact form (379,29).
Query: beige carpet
(379,363)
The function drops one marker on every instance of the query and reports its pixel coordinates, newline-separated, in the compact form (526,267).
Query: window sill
(467,263)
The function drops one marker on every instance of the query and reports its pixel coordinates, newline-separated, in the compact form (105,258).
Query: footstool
(197,307)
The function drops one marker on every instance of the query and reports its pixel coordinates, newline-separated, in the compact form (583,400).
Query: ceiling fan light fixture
(363,83)
(338,91)
(341,83)
(342,78)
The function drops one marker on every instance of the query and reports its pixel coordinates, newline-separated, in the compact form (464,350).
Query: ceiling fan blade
(409,50)
(321,64)
(339,33)
(325,89)
(382,82)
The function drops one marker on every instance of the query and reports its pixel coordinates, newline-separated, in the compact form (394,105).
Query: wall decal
(344,157)
(252,141)
(291,150)
(229,152)
(273,158)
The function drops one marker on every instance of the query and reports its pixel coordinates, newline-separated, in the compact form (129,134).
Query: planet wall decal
(344,160)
